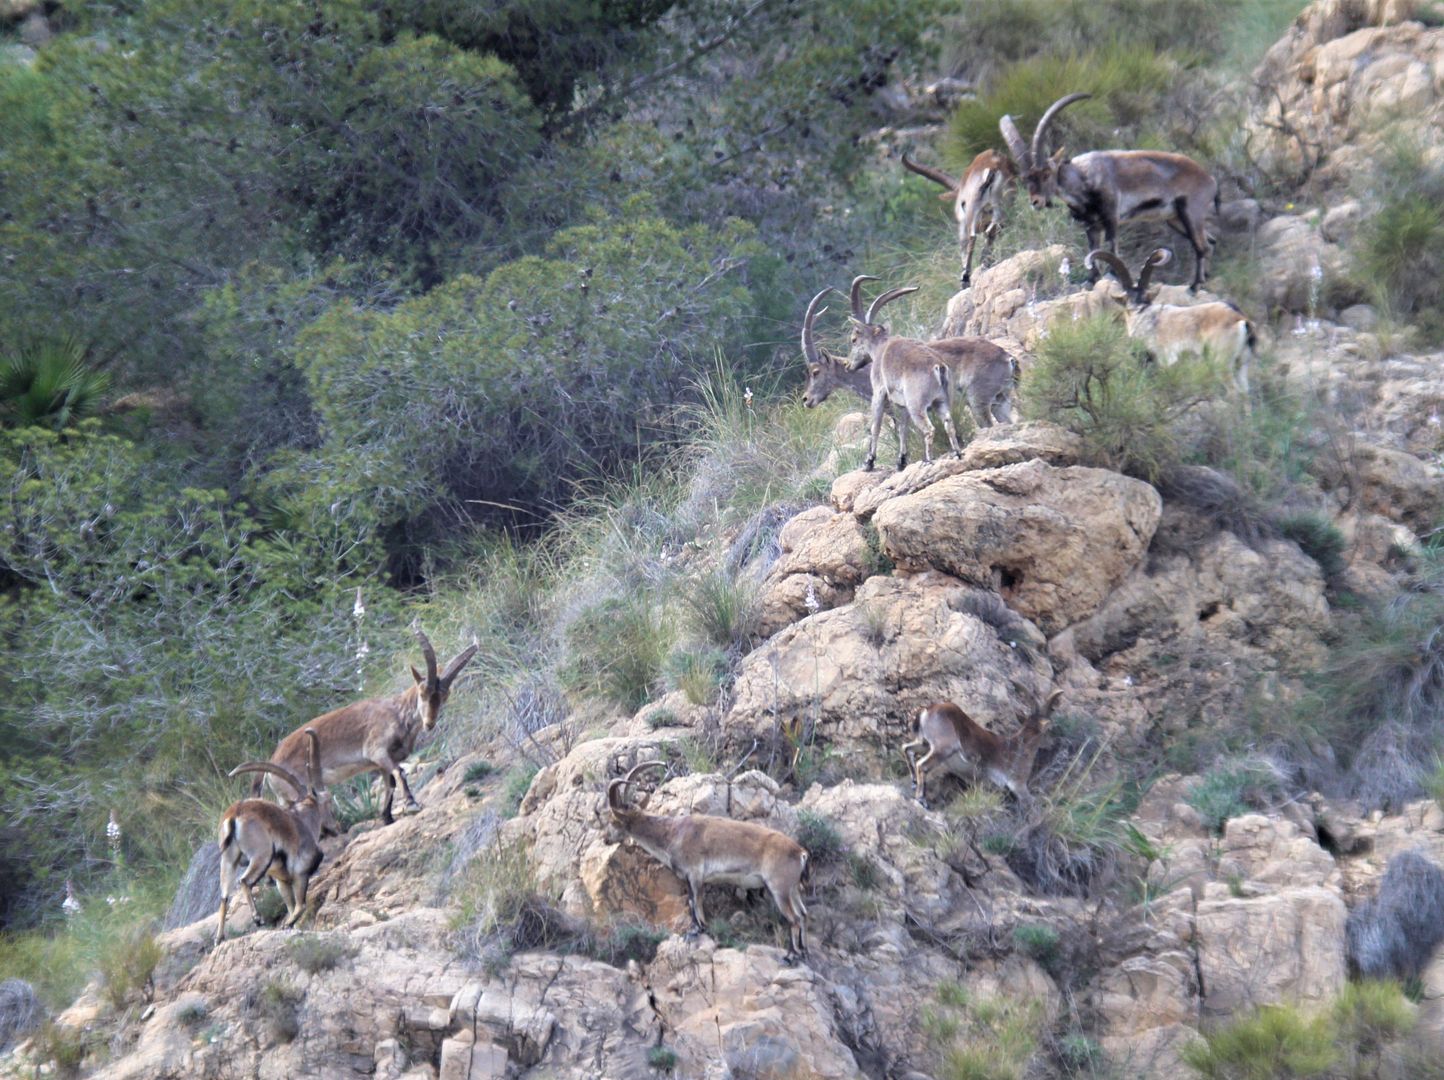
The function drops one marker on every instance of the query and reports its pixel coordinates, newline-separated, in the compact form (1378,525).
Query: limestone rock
(1283,947)
(1052,542)
(1274,852)
(853,678)
(1297,261)
(1002,292)
(824,557)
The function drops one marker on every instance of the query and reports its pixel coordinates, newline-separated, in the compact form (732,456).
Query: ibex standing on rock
(978,199)
(1170,330)
(963,747)
(701,849)
(1104,188)
(986,371)
(282,842)
(375,735)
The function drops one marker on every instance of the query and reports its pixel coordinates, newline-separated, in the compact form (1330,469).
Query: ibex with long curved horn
(978,198)
(987,372)
(1170,330)
(1104,188)
(375,735)
(283,842)
(701,849)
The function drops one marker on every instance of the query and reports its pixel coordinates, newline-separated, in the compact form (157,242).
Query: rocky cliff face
(990,579)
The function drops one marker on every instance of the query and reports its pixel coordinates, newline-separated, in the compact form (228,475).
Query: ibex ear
(420,678)
(1058,157)
(949,196)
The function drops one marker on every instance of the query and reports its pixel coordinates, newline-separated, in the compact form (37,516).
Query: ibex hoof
(414,806)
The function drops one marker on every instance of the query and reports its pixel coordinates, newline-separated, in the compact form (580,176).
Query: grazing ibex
(957,743)
(1104,188)
(978,199)
(282,842)
(985,371)
(1171,330)
(701,849)
(375,735)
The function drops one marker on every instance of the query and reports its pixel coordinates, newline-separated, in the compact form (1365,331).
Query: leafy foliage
(1276,1043)
(1091,376)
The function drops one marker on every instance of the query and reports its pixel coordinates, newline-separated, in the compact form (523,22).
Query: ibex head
(435,689)
(308,794)
(624,812)
(868,335)
(1128,292)
(1036,169)
(822,369)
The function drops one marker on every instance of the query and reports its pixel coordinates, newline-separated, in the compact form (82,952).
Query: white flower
(747,397)
(359,611)
(112,828)
(813,604)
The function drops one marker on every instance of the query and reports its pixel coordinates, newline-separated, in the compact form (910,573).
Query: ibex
(1170,330)
(701,849)
(283,842)
(978,199)
(957,743)
(974,362)
(375,735)
(920,376)
(1104,188)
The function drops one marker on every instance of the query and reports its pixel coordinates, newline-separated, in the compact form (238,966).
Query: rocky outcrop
(1051,542)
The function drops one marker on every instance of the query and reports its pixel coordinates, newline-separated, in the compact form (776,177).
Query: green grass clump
(1369,1018)
(981,1038)
(662,1057)
(820,837)
(721,608)
(1125,82)
(1275,1043)
(518,781)
(1318,538)
(1400,249)
(277,1005)
(315,953)
(1230,790)
(62,1046)
(478,771)
(126,964)
(617,649)
(1037,941)
(700,673)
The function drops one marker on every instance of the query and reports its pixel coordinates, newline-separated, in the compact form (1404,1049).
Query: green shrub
(1230,790)
(698,672)
(1368,1018)
(61,1045)
(820,837)
(722,609)
(126,965)
(662,1057)
(981,1038)
(617,650)
(1090,376)
(478,771)
(1275,1043)
(1400,249)
(277,1005)
(1318,538)
(518,782)
(1126,83)
(1037,941)
(315,953)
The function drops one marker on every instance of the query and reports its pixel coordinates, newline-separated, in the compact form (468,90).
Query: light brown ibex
(1105,188)
(965,748)
(701,849)
(375,735)
(978,198)
(1171,331)
(986,371)
(283,842)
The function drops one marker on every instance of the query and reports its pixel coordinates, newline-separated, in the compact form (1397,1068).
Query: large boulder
(853,678)
(825,556)
(1052,542)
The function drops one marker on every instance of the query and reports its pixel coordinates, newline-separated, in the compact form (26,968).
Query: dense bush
(1092,377)
(1393,934)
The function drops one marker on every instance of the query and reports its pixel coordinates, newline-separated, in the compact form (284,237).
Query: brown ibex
(974,363)
(1170,330)
(375,735)
(978,199)
(283,842)
(1104,188)
(701,849)
(965,748)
